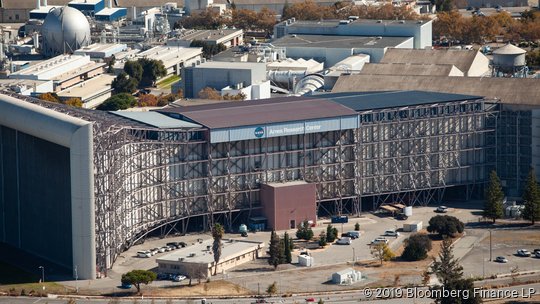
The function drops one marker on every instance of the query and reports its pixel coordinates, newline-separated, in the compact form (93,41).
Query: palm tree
(217,234)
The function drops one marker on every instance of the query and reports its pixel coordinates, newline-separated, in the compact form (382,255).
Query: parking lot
(328,260)
(504,243)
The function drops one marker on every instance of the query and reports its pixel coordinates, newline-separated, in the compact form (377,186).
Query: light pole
(490,253)
(76,278)
(353,256)
(42,273)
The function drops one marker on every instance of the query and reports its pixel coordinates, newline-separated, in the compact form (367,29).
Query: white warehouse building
(173,57)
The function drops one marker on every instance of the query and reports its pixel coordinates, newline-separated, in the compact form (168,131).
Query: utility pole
(490,249)
(42,274)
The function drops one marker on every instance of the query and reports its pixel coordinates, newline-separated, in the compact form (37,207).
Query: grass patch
(167,82)
(33,289)
(12,275)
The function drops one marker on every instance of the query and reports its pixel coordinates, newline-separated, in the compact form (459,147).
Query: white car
(379,241)
(143,254)
(391,233)
(523,253)
(179,278)
(441,209)
(162,249)
(501,259)
(344,241)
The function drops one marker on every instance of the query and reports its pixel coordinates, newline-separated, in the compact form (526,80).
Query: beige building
(198,258)
(470,63)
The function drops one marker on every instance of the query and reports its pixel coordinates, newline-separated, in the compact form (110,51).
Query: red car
(310,300)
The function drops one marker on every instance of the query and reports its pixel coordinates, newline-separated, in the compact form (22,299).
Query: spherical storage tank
(64,30)
(508,58)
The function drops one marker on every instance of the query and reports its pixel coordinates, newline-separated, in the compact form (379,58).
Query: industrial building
(518,120)
(331,49)
(470,63)
(227,37)
(64,70)
(118,177)
(228,78)
(420,31)
(174,58)
(102,50)
(91,92)
(199,259)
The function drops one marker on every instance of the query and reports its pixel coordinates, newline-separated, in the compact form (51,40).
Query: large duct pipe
(44,2)
(285,77)
(308,84)
(38,4)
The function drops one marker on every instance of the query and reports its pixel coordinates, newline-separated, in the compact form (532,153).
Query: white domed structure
(64,30)
(509,61)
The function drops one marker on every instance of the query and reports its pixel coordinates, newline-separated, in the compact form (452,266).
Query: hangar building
(108,179)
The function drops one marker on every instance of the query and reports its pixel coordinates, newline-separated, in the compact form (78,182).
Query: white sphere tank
(64,30)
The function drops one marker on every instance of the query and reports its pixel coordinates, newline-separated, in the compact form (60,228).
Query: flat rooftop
(170,54)
(380,100)
(330,41)
(101,47)
(202,255)
(109,11)
(335,23)
(247,113)
(230,65)
(156,119)
(90,2)
(207,34)
(287,184)
(89,88)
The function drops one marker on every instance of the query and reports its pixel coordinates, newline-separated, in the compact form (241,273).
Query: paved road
(519,292)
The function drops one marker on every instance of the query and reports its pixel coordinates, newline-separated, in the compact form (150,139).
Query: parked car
(259,301)
(182,244)
(379,240)
(125,286)
(162,249)
(179,278)
(144,254)
(354,234)
(244,234)
(537,255)
(174,244)
(391,233)
(441,209)
(310,300)
(154,251)
(501,259)
(162,276)
(536,251)
(401,217)
(170,248)
(523,253)
(344,241)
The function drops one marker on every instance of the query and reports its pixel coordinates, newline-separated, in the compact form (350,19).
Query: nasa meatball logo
(259,132)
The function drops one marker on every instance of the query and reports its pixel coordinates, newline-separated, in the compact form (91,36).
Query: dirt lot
(214,288)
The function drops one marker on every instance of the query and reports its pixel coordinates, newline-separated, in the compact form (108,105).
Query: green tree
(151,71)
(274,250)
(110,64)
(445,225)
(416,247)
(531,197)
(357,227)
(208,49)
(217,234)
(134,69)
(304,231)
(117,102)
(331,233)
(138,277)
(322,239)
(272,289)
(450,274)
(382,253)
(287,249)
(493,206)
(124,84)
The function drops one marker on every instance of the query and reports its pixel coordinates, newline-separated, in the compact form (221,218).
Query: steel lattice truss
(147,178)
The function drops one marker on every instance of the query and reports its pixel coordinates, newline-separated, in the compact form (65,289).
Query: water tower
(509,61)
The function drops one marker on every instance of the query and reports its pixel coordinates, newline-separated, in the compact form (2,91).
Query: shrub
(416,247)
(445,225)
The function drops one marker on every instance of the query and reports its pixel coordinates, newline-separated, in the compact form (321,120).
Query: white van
(143,254)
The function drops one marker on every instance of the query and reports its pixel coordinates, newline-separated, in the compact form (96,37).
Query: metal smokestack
(38,4)
(44,2)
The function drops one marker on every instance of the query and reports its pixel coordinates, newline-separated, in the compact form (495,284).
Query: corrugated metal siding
(284,129)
